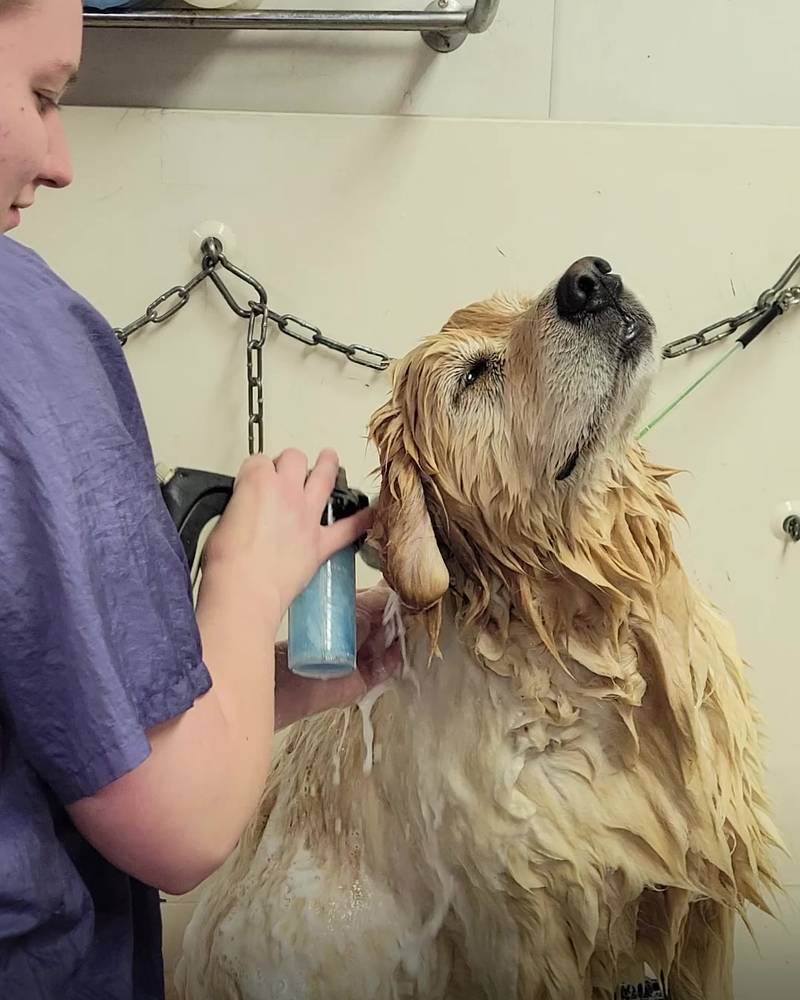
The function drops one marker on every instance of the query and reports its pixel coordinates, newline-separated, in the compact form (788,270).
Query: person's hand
(298,697)
(270,537)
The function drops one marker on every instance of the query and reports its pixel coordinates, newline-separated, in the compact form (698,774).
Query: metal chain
(312,336)
(785,297)
(258,314)
(256,338)
(152,315)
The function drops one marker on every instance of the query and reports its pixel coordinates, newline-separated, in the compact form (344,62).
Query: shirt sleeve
(98,638)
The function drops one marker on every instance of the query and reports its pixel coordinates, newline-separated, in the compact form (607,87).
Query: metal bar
(481,16)
(474,21)
(284,20)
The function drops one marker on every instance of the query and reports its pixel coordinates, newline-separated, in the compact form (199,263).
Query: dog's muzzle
(589,289)
(587,286)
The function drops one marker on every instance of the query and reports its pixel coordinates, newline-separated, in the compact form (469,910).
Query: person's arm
(158,755)
(230,633)
(173,819)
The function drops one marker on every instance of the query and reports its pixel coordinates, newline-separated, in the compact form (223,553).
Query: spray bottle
(322,619)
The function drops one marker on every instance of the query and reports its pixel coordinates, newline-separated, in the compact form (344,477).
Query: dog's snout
(587,286)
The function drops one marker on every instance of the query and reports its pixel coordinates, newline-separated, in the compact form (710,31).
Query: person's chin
(11,220)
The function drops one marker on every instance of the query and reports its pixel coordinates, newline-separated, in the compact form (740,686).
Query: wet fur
(568,781)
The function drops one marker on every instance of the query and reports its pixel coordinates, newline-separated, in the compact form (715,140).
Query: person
(135,733)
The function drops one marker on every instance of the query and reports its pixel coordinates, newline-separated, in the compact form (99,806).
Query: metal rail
(444,24)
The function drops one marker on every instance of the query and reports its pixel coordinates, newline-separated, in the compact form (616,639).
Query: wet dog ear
(402,542)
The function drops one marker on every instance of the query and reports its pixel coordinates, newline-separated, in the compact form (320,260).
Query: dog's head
(503,424)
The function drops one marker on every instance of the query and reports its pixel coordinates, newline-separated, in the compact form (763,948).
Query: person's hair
(6,6)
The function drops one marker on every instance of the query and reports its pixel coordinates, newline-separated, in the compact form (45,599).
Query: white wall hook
(785,521)
(212,227)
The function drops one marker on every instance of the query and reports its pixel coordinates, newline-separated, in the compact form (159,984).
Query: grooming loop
(771,303)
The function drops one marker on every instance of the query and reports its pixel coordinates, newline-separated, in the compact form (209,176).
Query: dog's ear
(403,532)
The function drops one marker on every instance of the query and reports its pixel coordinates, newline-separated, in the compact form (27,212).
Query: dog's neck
(599,559)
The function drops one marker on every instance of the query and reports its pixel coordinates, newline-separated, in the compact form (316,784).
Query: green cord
(668,409)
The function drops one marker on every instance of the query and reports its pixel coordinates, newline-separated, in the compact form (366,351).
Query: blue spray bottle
(322,619)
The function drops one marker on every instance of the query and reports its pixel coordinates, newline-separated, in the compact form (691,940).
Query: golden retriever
(561,795)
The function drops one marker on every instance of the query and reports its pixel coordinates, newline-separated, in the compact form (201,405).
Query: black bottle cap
(344,501)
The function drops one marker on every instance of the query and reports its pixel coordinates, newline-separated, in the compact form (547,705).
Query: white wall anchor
(786,521)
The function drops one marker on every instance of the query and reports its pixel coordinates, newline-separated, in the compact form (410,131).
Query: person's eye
(46,102)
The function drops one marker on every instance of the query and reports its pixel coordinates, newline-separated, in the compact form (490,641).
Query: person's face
(40,48)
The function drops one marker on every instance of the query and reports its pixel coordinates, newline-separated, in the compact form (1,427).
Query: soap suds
(365,706)
(395,631)
(337,756)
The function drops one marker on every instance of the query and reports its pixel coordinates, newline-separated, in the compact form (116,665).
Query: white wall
(705,61)
(378,227)
(504,73)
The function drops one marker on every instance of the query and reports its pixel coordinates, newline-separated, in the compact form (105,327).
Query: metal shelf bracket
(444,24)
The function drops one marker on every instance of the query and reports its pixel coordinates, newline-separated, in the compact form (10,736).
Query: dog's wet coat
(568,787)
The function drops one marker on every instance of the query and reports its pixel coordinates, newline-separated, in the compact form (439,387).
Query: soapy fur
(569,785)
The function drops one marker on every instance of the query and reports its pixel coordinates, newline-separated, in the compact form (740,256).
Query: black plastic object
(344,501)
(193,497)
(760,324)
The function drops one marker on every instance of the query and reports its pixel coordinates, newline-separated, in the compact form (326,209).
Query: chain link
(152,314)
(712,334)
(791,297)
(312,336)
(256,338)
(258,315)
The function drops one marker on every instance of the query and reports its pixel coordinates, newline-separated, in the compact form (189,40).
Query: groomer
(135,736)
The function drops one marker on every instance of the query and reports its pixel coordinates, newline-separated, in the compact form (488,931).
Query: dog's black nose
(587,286)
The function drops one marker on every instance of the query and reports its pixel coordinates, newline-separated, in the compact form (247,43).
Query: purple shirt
(98,640)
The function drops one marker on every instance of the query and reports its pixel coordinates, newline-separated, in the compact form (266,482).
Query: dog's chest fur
(580,801)
(502,823)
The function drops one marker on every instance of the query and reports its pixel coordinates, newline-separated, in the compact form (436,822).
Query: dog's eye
(475,372)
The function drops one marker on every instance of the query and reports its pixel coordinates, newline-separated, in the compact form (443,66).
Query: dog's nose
(586,286)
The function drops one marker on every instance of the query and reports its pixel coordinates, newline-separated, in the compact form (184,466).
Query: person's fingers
(293,464)
(322,479)
(364,627)
(344,691)
(255,470)
(345,532)
(376,663)
(372,602)
(370,612)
